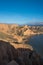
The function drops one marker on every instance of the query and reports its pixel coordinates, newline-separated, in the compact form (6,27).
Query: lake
(37,43)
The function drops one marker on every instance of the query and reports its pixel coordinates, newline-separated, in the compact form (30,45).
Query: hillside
(13,50)
(18,34)
(9,55)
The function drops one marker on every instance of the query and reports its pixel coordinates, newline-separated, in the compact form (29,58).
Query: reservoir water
(37,43)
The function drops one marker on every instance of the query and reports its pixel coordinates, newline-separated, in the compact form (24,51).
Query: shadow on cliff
(22,56)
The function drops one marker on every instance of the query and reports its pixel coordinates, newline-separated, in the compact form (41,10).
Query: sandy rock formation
(28,32)
(4,28)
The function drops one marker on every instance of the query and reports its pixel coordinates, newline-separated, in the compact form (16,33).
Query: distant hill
(36,24)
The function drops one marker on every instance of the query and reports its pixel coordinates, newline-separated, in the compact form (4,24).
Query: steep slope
(21,56)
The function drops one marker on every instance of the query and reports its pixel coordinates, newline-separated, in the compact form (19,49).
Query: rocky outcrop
(30,57)
(7,52)
(28,32)
(21,56)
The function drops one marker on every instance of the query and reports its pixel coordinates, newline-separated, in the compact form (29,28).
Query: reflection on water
(37,43)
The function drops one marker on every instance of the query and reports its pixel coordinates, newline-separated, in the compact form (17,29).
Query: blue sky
(21,11)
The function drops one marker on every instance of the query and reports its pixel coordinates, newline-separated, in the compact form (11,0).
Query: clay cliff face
(18,34)
(7,27)
(15,29)
(13,32)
